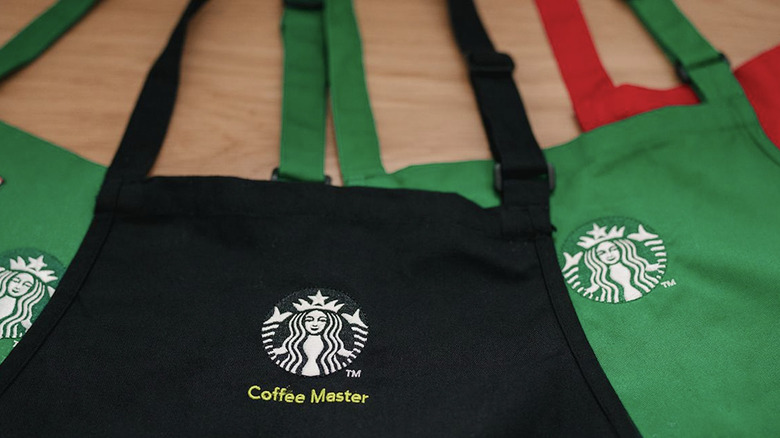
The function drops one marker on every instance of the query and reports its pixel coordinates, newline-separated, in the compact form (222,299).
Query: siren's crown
(318,303)
(600,234)
(34,267)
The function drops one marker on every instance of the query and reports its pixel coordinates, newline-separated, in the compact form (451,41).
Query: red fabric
(597,101)
(760,78)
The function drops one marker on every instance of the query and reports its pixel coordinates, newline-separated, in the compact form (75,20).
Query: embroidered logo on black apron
(613,260)
(27,281)
(314,332)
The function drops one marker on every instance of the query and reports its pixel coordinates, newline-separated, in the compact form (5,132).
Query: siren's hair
(292,343)
(638,266)
(598,276)
(328,360)
(10,326)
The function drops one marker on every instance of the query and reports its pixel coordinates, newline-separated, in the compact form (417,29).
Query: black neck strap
(149,122)
(514,147)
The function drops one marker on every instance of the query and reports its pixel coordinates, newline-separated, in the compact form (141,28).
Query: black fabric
(149,122)
(304,4)
(512,142)
(452,324)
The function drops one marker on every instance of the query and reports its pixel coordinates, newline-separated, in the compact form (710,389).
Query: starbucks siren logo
(613,260)
(25,287)
(311,334)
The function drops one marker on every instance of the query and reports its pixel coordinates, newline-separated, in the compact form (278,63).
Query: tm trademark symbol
(353,373)
(669,283)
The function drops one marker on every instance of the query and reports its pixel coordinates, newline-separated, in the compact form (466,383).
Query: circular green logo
(613,260)
(28,278)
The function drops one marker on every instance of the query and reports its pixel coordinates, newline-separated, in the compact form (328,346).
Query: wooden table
(80,93)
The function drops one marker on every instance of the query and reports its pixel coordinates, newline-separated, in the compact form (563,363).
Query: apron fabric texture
(679,201)
(598,101)
(47,194)
(667,232)
(218,306)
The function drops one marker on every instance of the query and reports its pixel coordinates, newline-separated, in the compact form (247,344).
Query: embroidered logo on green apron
(27,281)
(314,334)
(613,260)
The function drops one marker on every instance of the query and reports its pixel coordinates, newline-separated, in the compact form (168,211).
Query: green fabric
(306,69)
(46,196)
(685,46)
(356,137)
(680,43)
(696,355)
(672,214)
(41,33)
(302,151)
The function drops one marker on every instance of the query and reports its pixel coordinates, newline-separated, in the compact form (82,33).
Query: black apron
(218,306)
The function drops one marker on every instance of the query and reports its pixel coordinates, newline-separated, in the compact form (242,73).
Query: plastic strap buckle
(311,5)
(490,63)
(682,70)
(275,177)
(498,177)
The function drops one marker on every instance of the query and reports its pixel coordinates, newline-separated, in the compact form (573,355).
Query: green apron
(46,195)
(665,230)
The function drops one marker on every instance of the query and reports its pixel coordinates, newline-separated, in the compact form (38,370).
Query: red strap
(578,61)
(596,100)
(759,79)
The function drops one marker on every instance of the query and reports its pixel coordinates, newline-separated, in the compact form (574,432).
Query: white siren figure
(615,266)
(314,346)
(22,287)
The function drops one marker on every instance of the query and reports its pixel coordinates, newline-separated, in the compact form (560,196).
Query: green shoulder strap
(304,91)
(323,53)
(41,33)
(356,136)
(695,60)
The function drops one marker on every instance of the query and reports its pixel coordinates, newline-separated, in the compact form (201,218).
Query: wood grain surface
(79,95)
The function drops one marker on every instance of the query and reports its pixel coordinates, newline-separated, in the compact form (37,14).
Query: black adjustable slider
(312,5)
(682,70)
(276,177)
(490,63)
(499,175)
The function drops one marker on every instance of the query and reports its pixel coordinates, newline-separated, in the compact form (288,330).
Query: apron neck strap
(149,121)
(696,62)
(41,33)
(578,60)
(356,136)
(512,143)
(323,54)
(304,94)
(595,98)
